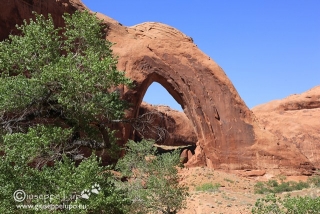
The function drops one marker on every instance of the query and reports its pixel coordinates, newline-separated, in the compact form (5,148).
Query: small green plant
(272,204)
(229,180)
(208,187)
(281,178)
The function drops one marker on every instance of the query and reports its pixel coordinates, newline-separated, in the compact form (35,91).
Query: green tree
(153,181)
(58,95)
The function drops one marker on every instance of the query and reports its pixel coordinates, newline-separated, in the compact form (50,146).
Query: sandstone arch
(209,120)
(229,136)
(228,133)
(157,52)
(154,77)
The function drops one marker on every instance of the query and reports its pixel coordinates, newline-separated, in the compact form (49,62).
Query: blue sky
(268,48)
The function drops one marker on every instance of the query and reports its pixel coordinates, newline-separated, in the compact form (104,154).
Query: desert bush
(229,180)
(273,186)
(153,184)
(272,204)
(315,180)
(208,187)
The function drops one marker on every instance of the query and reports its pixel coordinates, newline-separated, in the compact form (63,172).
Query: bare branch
(92,144)
(146,125)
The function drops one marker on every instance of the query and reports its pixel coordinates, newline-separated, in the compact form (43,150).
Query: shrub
(273,186)
(315,180)
(228,180)
(272,204)
(153,184)
(208,187)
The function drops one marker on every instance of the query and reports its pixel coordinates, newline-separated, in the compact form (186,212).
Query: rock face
(154,52)
(228,134)
(178,129)
(14,11)
(295,120)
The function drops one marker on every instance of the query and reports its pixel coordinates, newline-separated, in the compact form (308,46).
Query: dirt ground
(235,196)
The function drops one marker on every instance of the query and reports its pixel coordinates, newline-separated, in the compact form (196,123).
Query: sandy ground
(235,196)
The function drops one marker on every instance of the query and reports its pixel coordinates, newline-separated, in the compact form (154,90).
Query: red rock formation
(12,12)
(179,130)
(295,120)
(156,52)
(228,134)
(185,155)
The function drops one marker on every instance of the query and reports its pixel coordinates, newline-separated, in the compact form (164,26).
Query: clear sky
(268,48)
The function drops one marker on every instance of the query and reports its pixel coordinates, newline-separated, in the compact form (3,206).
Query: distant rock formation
(228,134)
(295,120)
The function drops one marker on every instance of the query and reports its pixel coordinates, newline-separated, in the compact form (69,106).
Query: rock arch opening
(170,127)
